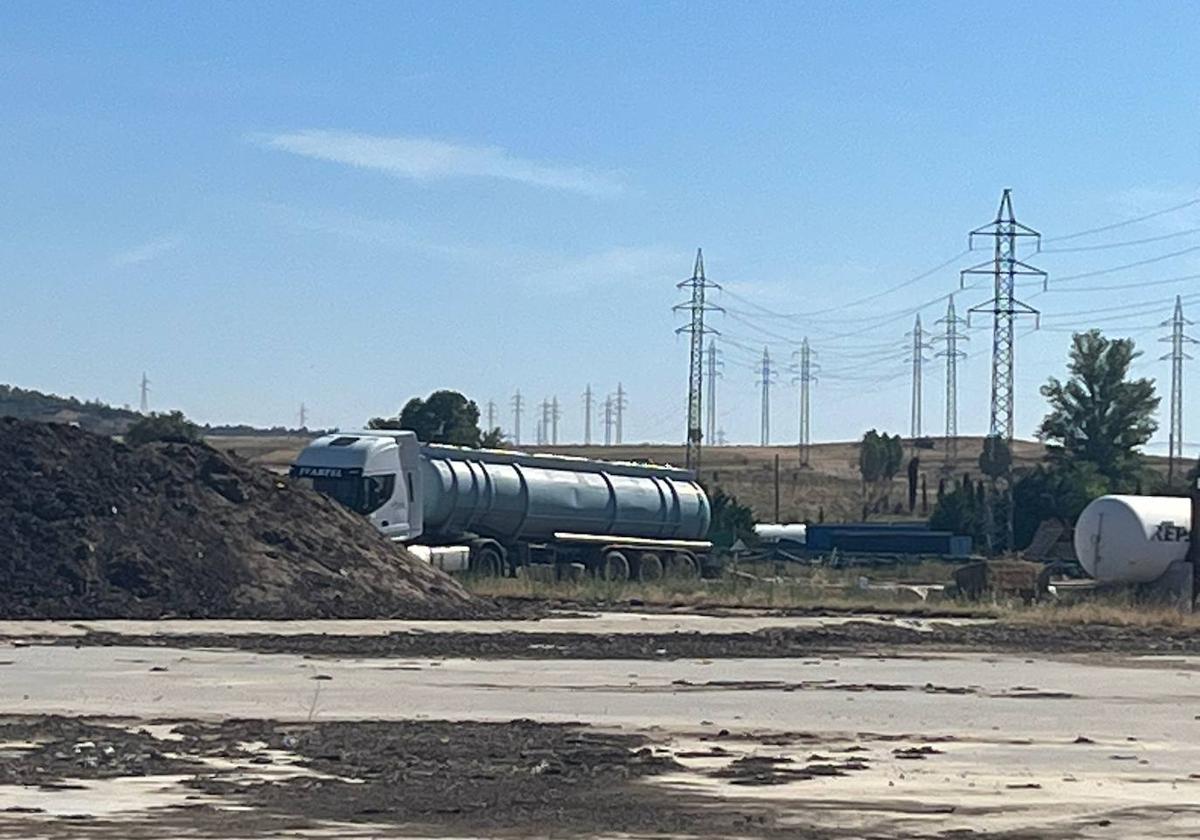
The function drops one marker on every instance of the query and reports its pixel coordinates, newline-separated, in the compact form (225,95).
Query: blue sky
(347,205)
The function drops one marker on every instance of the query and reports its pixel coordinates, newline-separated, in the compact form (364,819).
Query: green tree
(731,520)
(1100,415)
(170,427)
(1053,491)
(870,458)
(914,468)
(879,459)
(445,417)
(493,439)
(996,457)
(959,512)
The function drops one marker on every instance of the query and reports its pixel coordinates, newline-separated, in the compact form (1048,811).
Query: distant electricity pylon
(1004,308)
(805,376)
(518,407)
(698,284)
(548,424)
(608,420)
(1177,356)
(713,373)
(619,406)
(952,354)
(491,415)
(145,392)
(766,380)
(919,346)
(587,415)
(303,416)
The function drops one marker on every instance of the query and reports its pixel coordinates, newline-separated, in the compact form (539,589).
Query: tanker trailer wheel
(649,568)
(682,565)
(613,566)
(486,561)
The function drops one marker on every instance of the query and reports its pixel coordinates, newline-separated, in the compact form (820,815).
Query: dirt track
(775,642)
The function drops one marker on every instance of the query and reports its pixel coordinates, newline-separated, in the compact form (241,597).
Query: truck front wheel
(613,566)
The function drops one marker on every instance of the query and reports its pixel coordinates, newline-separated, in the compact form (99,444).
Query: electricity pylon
(1004,308)
(952,354)
(766,379)
(1177,357)
(805,372)
(698,284)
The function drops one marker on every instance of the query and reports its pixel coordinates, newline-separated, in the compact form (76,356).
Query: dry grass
(1114,610)
(817,594)
(835,591)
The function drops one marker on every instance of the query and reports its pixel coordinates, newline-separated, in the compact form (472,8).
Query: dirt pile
(91,528)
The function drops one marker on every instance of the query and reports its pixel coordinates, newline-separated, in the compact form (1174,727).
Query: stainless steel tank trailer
(491,511)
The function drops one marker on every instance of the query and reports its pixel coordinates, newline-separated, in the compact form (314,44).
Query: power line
(858,302)
(1115,225)
(1113,269)
(1126,244)
(1141,284)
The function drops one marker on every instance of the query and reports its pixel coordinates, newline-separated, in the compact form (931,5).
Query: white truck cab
(375,473)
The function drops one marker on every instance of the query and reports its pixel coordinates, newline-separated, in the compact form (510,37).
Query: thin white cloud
(427,159)
(618,265)
(365,230)
(145,252)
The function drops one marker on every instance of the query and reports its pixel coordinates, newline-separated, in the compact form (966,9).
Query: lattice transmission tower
(806,375)
(697,306)
(766,379)
(710,408)
(950,339)
(1177,356)
(1004,267)
(920,344)
(620,403)
(518,408)
(587,415)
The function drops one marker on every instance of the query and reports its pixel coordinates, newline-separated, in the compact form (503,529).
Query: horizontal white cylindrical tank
(774,532)
(1132,539)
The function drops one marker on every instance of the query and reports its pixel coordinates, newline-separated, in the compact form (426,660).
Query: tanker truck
(491,511)
(1132,539)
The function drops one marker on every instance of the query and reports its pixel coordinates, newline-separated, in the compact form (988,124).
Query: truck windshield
(362,495)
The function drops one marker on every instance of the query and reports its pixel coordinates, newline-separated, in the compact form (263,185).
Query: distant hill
(103,419)
(93,416)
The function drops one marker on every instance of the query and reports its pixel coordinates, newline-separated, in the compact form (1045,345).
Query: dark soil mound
(92,528)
